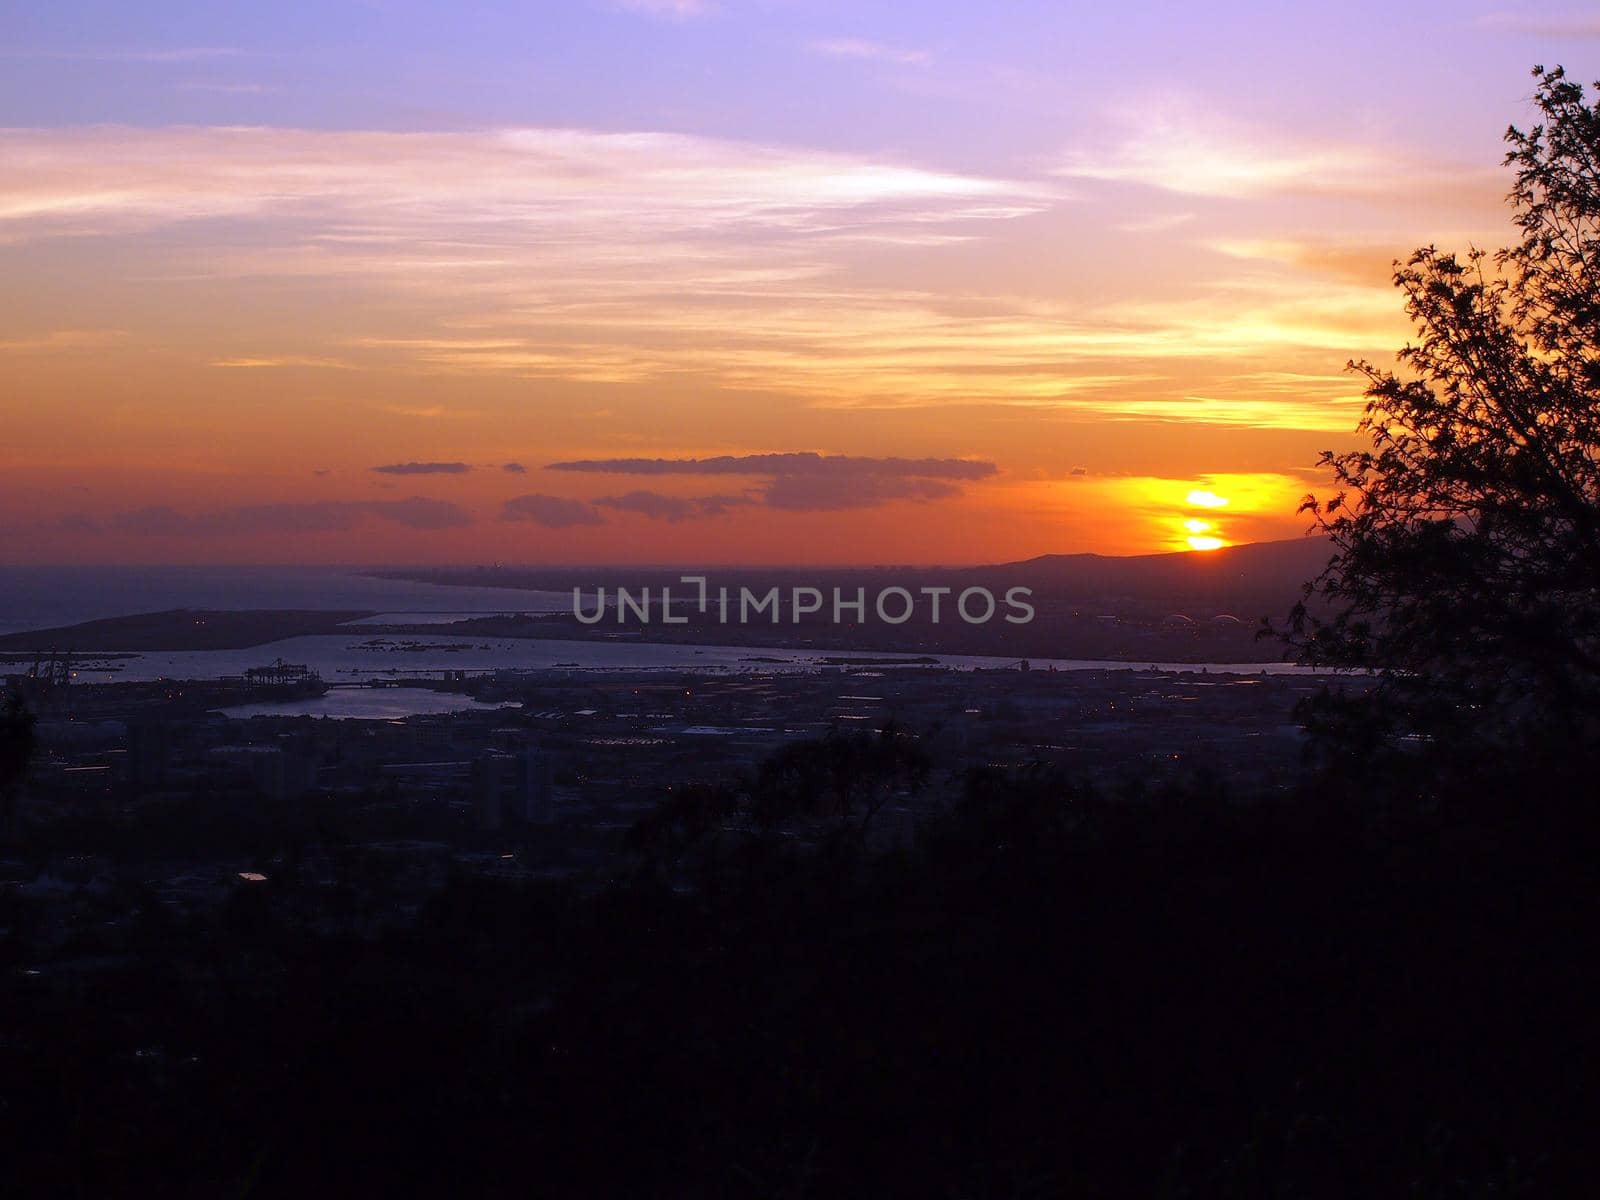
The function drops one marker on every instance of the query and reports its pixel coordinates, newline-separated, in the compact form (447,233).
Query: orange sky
(219,322)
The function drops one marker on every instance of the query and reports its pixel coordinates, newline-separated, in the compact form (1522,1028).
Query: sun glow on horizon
(1204,534)
(1153,514)
(248,282)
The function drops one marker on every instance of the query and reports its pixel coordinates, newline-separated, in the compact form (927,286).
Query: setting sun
(1206,499)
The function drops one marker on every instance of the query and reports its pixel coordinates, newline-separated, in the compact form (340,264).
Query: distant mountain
(1261,578)
(1299,558)
(1086,605)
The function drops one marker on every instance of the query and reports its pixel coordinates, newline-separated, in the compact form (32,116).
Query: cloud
(514,468)
(474,196)
(423,468)
(721,506)
(553,512)
(324,516)
(800,463)
(559,254)
(912,351)
(858,48)
(69,523)
(822,493)
(1179,146)
(673,509)
(685,262)
(1181,154)
(802,481)
(650,504)
(265,362)
(63,339)
(1356,261)
(1154,223)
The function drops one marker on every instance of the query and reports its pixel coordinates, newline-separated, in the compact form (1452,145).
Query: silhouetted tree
(1466,540)
(687,814)
(845,776)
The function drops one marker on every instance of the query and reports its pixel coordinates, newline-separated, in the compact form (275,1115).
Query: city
(549,773)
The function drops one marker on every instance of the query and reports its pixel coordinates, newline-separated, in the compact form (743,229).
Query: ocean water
(351,659)
(46,597)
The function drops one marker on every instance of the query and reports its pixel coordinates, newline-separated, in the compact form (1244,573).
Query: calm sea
(46,597)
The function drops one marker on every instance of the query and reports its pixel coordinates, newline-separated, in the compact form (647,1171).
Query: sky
(717,281)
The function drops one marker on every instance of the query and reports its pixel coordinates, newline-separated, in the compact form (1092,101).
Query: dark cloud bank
(795,482)
(804,463)
(553,512)
(423,468)
(324,516)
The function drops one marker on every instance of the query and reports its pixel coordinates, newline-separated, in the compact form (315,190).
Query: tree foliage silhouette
(1466,564)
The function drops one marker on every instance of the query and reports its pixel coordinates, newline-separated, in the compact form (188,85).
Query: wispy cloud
(1154,223)
(659,507)
(326,516)
(815,493)
(1358,260)
(858,48)
(273,361)
(63,340)
(477,194)
(616,259)
(1180,146)
(833,466)
(1127,359)
(553,512)
(423,468)
(795,482)
(1178,153)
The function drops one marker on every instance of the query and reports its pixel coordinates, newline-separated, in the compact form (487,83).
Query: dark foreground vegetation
(1049,993)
